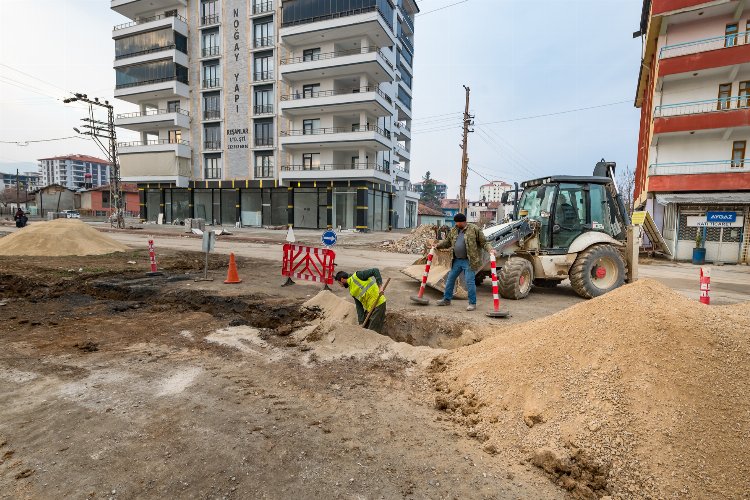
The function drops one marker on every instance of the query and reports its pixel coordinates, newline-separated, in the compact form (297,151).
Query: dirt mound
(415,242)
(58,238)
(640,393)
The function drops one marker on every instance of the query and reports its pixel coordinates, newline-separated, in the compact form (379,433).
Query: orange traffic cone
(232,276)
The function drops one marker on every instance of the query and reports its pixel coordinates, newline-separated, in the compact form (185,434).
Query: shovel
(367,318)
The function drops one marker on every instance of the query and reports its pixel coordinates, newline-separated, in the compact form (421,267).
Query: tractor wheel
(515,278)
(545,283)
(597,270)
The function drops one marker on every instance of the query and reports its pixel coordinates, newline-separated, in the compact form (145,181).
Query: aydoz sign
(721,216)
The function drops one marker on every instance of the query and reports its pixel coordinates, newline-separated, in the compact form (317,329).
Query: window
(210,76)
(744,95)
(310,90)
(157,71)
(263,100)
(386,166)
(212,136)
(356,164)
(311,126)
(747,32)
(211,106)
(173,106)
(144,43)
(311,161)
(175,136)
(212,166)
(210,42)
(264,133)
(263,34)
(263,166)
(730,35)
(311,54)
(209,12)
(738,154)
(725,95)
(263,68)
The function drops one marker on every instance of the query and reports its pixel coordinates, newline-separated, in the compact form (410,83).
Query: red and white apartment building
(693,166)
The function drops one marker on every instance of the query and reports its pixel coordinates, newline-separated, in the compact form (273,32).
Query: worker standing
(364,286)
(467,242)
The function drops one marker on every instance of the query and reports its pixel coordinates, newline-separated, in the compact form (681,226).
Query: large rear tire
(597,270)
(515,278)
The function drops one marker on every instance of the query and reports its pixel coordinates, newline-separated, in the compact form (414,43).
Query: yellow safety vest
(366,292)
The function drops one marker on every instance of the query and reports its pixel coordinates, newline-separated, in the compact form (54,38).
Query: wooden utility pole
(463,206)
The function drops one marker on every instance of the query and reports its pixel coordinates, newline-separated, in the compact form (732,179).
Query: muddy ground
(109,389)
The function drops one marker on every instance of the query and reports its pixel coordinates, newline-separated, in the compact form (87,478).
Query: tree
(626,186)
(429,192)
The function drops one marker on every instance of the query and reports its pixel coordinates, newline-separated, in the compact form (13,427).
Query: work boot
(471,307)
(443,302)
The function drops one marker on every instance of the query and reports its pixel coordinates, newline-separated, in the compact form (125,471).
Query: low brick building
(96,202)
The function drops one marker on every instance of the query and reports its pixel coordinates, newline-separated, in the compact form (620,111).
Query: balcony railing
(263,109)
(211,144)
(707,106)
(704,45)
(700,167)
(332,55)
(337,166)
(152,112)
(337,130)
(149,19)
(207,20)
(152,142)
(261,7)
(401,151)
(328,93)
(264,141)
(407,18)
(210,51)
(407,43)
(211,83)
(332,10)
(211,114)
(265,41)
(146,51)
(262,76)
(213,173)
(151,82)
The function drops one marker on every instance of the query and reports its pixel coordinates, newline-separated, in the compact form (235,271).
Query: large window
(263,32)
(744,95)
(738,154)
(725,95)
(263,100)
(311,54)
(210,76)
(263,166)
(311,161)
(211,106)
(152,41)
(212,136)
(263,68)
(210,42)
(153,72)
(212,166)
(264,133)
(209,12)
(730,35)
(310,90)
(308,11)
(175,136)
(570,214)
(404,97)
(310,126)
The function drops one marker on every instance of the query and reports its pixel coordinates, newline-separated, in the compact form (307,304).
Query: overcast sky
(521,58)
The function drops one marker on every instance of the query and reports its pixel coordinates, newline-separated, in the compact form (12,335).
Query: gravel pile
(415,242)
(640,393)
(58,238)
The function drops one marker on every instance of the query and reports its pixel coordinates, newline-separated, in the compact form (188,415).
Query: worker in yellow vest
(364,286)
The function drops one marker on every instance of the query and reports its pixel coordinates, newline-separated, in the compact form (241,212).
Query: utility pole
(463,206)
(98,129)
(18,191)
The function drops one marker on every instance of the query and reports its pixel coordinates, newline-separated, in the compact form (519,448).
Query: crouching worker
(364,286)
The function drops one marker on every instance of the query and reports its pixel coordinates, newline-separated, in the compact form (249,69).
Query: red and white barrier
(308,263)
(496,312)
(426,272)
(152,255)
(705,283)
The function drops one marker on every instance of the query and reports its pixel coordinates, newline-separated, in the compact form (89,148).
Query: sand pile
(639,393)
(414,242)
(58,238)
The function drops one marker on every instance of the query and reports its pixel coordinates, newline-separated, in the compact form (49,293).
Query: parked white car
(71,214)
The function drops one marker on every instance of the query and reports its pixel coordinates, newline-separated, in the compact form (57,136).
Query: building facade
(268,112)
(693,171)
(484,212)
(27,180)
(492,191)
(96,202)
(74,171)
(441,189)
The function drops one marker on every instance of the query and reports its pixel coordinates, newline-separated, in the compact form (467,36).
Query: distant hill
(9,167)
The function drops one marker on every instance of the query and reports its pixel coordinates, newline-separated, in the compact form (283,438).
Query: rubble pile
(415,242)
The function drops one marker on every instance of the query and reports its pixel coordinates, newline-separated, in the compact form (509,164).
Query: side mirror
(504,198)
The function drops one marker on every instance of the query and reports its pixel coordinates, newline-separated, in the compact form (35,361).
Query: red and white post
(496,312)
(419,298)
(152,258)
(705,283)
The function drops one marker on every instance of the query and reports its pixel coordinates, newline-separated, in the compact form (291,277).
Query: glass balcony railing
(297,12)
(262,7)
(337,130)
(144,20)
(151,142)
(337,166)
(338,53)
(704,45)
(707,106)
(327,93)
(151,82)
(152,112)
(700,167)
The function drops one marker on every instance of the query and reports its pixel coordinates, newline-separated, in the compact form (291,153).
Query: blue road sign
(721,216)
(329,238)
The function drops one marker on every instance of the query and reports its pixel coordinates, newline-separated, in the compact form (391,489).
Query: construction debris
(639,393)
(415,242)
(58,238)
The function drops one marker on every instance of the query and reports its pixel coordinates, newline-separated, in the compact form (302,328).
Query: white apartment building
(269,113)
(693,172)
(73,171)
(27,180)
(492,191)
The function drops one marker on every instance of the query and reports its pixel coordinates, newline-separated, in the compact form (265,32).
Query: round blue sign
(329,238)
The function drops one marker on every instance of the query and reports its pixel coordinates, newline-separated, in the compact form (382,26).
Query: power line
(497,147)
(36,78)
(435,116)
(23,143)
(520,155)
(441,8)
(556,113)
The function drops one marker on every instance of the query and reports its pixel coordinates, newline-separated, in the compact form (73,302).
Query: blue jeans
(457,267)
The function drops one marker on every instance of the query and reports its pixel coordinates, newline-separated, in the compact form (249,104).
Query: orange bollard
(232,276)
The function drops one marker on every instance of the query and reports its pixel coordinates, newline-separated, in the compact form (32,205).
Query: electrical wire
(441,8)
(22,143)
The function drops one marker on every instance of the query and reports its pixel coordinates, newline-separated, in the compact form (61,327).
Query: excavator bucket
(441,265)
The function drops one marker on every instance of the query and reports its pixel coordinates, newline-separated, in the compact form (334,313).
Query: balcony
(263,76)
(263,142)
(132,8)
(207,21)
(211,114)
(265,41)
(342,100)
(371,61)
(705,54)
(402,152)
(208,52)
(408,21)
(367,136)
(336,171)
(153,54)
(211,145)
(263,109)
(179,148)
(211,83)
(261,7)
(721,175)
(402,133)
(710,114)
(153,118)
(212,173)
(150,23)
(159,88)
(406,43)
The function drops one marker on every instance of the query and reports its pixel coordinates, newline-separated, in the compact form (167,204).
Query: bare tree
(626,185)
